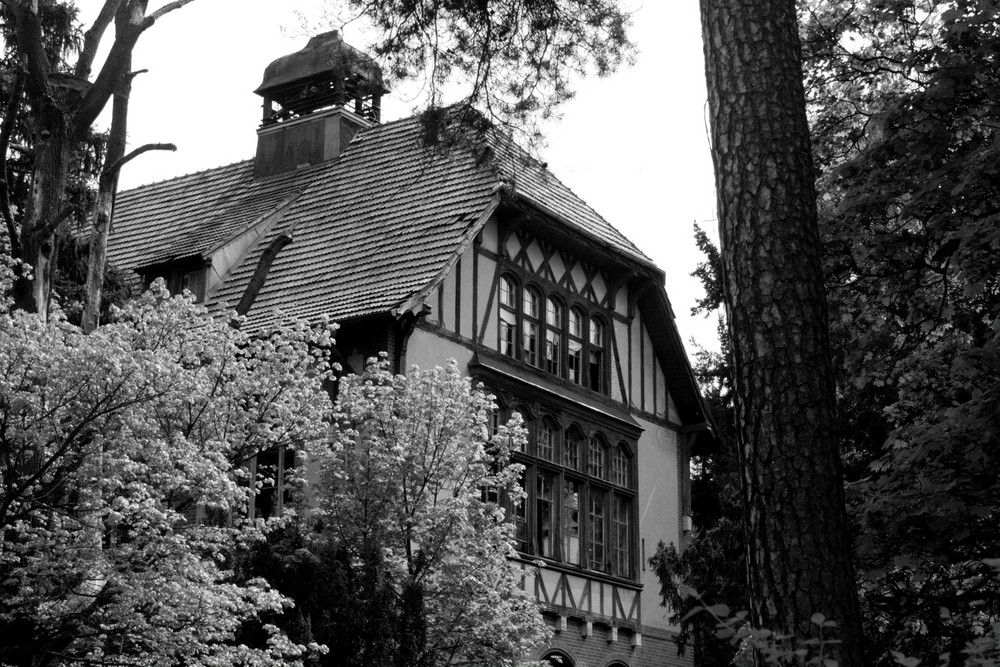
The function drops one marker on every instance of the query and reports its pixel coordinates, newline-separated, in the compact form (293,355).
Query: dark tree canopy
(905,99)
(515,60)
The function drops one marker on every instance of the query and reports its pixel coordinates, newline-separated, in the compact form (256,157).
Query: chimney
(315,101)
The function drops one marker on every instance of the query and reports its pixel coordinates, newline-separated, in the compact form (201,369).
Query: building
(476,253)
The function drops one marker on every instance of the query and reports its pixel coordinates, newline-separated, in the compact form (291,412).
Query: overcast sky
(634,146)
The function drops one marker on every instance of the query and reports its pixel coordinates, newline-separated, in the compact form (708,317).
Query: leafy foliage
(905,97)
(817,649)
(412,492)
(409,539)
(514,58)
(109,444)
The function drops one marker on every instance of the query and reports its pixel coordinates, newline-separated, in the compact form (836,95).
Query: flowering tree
(415,488)
(108,443)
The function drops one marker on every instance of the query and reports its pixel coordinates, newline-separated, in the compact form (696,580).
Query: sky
(634,145)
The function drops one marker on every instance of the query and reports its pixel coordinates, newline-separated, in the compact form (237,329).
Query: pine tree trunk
(798,545)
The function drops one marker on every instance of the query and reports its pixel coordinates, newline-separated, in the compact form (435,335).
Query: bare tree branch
(118,61)
(112,170)
(92,38)
(165,9)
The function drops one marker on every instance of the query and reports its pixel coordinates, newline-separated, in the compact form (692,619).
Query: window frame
(571,540)
(523,329)
(507,338)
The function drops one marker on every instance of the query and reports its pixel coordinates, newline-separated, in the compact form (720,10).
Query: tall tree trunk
(798,545)
(45,209)
(107,187)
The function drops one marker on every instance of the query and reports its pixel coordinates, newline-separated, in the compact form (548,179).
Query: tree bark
(799,549)
(107,184)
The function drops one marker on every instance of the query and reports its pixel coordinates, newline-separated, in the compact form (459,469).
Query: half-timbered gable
(477,254)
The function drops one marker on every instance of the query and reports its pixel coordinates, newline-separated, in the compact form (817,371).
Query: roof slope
(369,229)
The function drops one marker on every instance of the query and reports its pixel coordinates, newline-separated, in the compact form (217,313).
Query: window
(508,316)
(545,446)
(622,536)
(558,659)
(545,513)
(574,354)
(543,331)
(581,500)
(271,469)
(620,472)
(529,304)
(553,335)
(598,526)
(595,457)
(520,514)
(571,454)
(571,521)
(191,280)
(595,371)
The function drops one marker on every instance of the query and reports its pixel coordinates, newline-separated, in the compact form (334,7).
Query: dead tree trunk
(800,559)
(107,186)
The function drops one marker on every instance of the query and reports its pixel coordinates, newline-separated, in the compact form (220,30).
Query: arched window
(574,346)
(545,331)
(548,434)
(553,335)
(508,316)
(620,472)
(571,448)
(581,500)
(595,370)
(530,304)
(558,659)
(596,453)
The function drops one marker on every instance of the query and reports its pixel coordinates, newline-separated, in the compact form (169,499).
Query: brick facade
(602,649)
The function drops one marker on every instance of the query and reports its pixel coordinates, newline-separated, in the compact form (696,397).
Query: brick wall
(599,650)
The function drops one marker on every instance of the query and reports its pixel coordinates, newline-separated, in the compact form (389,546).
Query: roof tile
(369,229)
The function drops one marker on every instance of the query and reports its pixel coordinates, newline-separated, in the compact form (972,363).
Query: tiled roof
(539,187)
(369,229)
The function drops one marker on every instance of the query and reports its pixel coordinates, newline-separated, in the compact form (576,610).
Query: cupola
(315,101)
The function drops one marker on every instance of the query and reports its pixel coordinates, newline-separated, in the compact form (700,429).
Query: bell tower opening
(315,101)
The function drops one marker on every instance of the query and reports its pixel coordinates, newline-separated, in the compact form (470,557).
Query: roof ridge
(187,175)
(543,167)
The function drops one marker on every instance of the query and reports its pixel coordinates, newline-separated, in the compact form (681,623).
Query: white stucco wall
(658,510)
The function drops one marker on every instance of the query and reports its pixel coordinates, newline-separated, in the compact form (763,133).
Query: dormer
(315,101)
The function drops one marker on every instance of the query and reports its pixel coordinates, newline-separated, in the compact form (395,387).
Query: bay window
(542,330)
(580,499)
